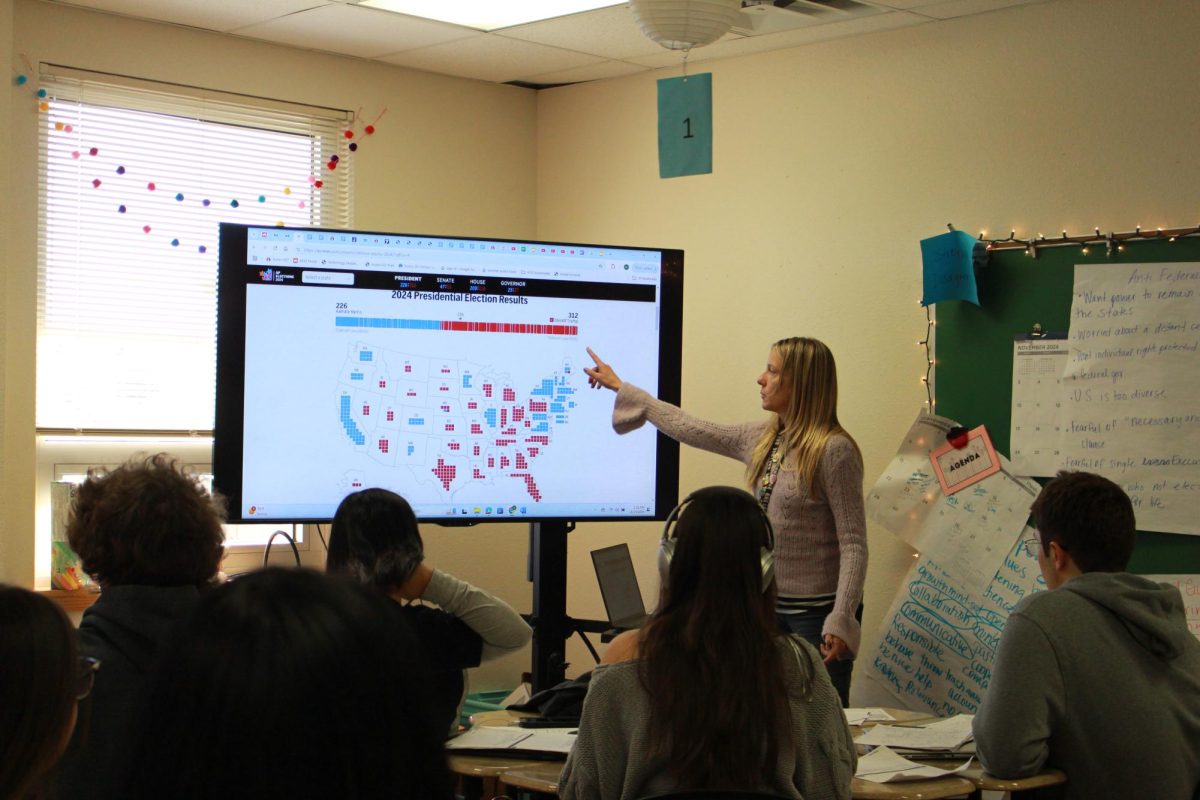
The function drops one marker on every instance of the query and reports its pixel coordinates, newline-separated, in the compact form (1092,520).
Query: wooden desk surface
(542,778)
(930,789)
(488,766)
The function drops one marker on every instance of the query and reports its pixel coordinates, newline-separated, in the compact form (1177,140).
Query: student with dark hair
(151,536)
(288,684)
(710,694)
(375,540)
(41,681)
(1100,676)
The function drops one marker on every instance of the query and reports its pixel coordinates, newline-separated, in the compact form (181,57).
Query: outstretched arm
(634,407)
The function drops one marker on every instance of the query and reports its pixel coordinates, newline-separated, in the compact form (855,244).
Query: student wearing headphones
(713,696)
(807,473)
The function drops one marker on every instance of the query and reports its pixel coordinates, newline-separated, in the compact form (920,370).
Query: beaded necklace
(770,472)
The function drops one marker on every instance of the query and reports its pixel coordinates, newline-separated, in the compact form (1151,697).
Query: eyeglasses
(85,676)
(1032,546)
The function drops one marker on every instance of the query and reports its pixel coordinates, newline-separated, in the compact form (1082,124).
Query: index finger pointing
(595,357)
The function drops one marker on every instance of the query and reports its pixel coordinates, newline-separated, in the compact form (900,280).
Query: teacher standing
(806,472)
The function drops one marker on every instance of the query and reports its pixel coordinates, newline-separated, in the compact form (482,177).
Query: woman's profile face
(776,393)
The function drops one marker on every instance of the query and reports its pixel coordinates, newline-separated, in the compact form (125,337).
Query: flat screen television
(446,369)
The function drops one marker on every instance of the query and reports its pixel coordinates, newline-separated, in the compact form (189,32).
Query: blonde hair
(811,416)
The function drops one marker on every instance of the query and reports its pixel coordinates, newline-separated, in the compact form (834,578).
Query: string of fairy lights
(1112,243)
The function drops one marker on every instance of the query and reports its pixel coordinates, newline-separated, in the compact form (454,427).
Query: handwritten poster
(937,642)
(1036,430)
(935,649)
(1131,385)
(1189,588)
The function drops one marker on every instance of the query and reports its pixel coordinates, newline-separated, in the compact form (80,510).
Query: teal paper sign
(685,126)
(948,265)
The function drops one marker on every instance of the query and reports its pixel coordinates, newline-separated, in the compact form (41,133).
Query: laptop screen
(619,586)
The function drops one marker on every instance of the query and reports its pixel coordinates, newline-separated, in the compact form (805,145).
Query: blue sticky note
(685,126)
(948,267)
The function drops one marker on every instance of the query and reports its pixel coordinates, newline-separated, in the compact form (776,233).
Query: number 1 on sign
(685,126)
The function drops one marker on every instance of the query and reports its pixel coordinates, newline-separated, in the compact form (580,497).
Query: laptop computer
(619,587)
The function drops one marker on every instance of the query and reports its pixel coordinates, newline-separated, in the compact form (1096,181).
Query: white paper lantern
(683,24)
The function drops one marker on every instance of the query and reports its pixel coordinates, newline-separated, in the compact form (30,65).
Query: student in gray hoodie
(1099,677)
(151,535)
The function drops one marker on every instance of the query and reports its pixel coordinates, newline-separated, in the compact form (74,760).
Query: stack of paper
(515,740)
(951,736)
(884,765)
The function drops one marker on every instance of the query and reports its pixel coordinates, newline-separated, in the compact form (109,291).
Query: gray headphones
(666,548)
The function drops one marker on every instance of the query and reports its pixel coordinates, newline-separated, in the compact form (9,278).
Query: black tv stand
(551,625)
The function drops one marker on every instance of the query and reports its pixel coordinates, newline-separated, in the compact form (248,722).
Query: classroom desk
(949,786)
(479,775)
(984,782)
(540,778)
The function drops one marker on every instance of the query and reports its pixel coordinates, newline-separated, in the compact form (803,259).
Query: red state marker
(445,473)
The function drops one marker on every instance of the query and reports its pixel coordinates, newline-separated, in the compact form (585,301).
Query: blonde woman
(806,472)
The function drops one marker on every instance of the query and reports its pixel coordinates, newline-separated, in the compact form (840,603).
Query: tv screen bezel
(228,428)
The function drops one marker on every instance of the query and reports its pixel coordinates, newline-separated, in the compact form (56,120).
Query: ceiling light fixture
(684,24)
(488,15)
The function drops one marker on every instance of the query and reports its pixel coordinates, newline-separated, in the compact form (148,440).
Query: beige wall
(832,161)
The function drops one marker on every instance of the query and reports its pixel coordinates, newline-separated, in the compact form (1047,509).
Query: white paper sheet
(883,765)
(857,716)
(545,740)
(948,734)
(1131,385)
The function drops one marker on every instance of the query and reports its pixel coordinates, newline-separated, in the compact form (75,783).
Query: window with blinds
(135,178)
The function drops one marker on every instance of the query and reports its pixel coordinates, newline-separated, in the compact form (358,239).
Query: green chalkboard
(973,372)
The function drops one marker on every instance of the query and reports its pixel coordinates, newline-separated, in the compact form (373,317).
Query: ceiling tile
(215,15)
(607,32)
(355,31)
(729,48)
(589,72)
(965,8)
(489,57)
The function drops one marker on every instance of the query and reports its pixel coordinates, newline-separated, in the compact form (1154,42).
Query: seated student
(41,681)
(287,684)
(1098,677)
(715,696)
(374,540)
(151,535)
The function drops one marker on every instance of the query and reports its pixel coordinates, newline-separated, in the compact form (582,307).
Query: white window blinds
(135,179)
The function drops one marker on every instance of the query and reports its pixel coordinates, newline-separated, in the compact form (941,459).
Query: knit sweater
(609,760)
(820,542)
(1099,678)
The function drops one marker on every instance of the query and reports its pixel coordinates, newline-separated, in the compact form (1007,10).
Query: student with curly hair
(150,534)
